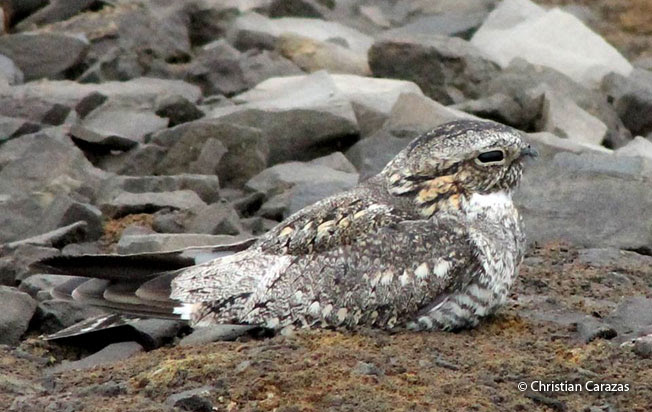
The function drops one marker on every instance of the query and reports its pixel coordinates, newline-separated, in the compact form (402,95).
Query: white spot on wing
(422,270)
(184,311)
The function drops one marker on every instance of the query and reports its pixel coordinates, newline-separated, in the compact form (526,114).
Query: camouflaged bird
(431,242)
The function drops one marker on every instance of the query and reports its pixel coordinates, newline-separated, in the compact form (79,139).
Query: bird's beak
(529,151)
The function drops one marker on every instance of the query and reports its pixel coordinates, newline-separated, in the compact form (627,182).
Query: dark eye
(491,156)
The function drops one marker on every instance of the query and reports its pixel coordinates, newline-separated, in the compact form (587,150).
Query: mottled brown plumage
(433,241)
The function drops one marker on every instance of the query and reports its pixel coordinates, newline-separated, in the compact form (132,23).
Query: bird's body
(433,241)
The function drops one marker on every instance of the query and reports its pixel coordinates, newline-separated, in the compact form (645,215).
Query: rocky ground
(152,125)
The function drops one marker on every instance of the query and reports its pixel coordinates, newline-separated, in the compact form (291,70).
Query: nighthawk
(431,242)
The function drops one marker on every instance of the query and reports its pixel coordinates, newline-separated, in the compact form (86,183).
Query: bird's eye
(491,156)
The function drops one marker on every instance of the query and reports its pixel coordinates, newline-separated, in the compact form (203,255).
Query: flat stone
(370,155)
(167,242)
(205,186)
(632,98)
(204,335)
(371,99)
(111,354)
(312,55)
(15,263)
(302,122)
(335,161)
(522,82)
(100,141)
(142,160)
(178,110)
(246,155)
(57,238)
(16,311)
(611,257)
(148,202)
(142,92)
(282,177)
(64,211)
(155,333)
(632,316)
(413,114)
(50,53)
(53,315)
(519,28)
(643,347)
(255,25)
(590,329)
(216,219)
(10,71)
(192,400)
(562,117)
(124,123)
(588,199)
(453,24)
(56,10)
(453,71)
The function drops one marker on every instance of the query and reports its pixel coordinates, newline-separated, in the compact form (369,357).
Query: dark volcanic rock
(178,110)
(50,53)
(632,98)
(148,202)
(193,400)
(110,354)
(447,69)
(191,143)
(16,310)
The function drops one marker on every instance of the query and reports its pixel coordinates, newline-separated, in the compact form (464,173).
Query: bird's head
(442,167)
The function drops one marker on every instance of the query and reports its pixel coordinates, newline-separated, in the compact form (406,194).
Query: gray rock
(126,32)
(216,219)
(10,71)
(210,20)
(247,149)
(561,116)
(56,10)
(632,98)
(110,354)
(591,328)
(155,333)
(35,284)
(50,53)
(603,257)
(53,315)
(498,107)
(518,28)
(16,310)
(142,93)
(279,178)
(370,155)
(35,109)
(335,161)
(100,141)
(447,69)
(414,114)
(64,211)
(640,146)
(632,316)
(166,242)
(221,69)
(312,55)
(205,186)
(14,264)
(178,110)
(142,160)
(203,335)
(304,194)
(11,127)
(89,103)
(56,238)
(254,30)
(148,202)
(125,123)
(304,117)
(643,347)
(298,8)
(522,82)
(588,199)
(453,24)
(192,400)
(277,207)
(364,368)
